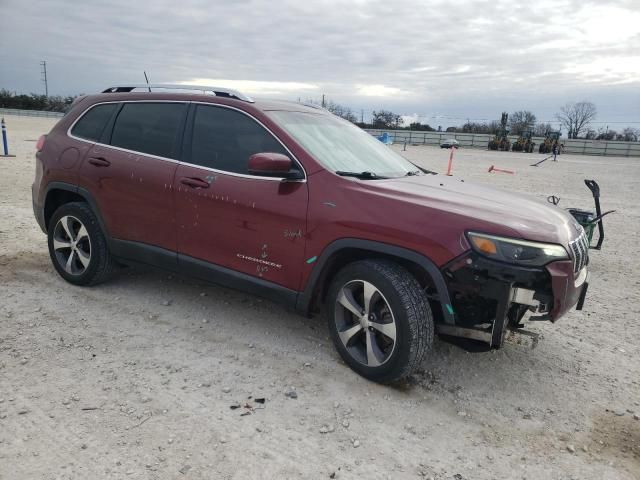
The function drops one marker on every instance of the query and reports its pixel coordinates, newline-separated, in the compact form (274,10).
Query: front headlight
(512,250)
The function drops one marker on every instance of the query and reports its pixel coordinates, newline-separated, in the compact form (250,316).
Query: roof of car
(199,93)
(287,105)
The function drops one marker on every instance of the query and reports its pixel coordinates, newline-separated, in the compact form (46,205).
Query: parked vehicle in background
(290,202)
(550,139)
(450,143)
(500,140)
(524,143)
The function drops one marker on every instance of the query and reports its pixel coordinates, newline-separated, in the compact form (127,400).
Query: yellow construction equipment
(524,143)
(550,139)
(500,141)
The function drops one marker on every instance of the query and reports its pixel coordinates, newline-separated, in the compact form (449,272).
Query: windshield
(340,146)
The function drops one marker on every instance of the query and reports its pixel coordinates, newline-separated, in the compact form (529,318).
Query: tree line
(34,101)
(575,118)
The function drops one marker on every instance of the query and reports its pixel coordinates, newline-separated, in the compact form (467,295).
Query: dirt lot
(135,378)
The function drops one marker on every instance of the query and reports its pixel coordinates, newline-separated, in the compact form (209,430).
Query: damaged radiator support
(494,336)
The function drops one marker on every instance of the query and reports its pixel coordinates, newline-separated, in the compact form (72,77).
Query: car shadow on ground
(450,367)
(452,364)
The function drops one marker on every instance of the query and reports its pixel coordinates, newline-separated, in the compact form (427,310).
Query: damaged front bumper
(489,297)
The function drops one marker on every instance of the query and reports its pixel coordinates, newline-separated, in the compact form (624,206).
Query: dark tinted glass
(92,123)
(224,139)
(149,128)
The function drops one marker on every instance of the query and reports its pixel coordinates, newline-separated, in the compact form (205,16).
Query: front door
(227,217)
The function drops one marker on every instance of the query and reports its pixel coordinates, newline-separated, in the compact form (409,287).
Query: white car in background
(450,143)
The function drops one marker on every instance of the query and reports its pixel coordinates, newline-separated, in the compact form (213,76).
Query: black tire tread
(418,312)
(417,308)
(106,265)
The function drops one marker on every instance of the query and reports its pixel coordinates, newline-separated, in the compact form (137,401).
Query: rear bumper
(38,210)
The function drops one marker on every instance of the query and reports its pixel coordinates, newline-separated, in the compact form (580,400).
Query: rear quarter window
(151,128)
(92,123)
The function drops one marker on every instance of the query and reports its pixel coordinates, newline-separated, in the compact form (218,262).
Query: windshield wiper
(360,175)
(423,170)
(413,173)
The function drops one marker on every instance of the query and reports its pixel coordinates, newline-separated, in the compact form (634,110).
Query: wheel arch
(60,193)
(347,250)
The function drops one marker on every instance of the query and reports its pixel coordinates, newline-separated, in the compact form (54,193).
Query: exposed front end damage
(490,298)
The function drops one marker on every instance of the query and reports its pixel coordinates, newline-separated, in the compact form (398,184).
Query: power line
(484,118)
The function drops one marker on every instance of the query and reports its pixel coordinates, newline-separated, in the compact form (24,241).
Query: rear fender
(81,192)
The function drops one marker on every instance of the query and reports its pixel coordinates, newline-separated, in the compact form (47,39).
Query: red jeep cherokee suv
(289,202)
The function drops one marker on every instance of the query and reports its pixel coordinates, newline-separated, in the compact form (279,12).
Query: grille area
(580,252)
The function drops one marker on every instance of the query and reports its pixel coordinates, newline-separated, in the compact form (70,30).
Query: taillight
(40,143)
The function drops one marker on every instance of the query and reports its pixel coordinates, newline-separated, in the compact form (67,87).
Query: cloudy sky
(440,62)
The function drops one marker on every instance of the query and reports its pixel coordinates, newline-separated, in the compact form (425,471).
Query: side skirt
(236,280)
(140,253)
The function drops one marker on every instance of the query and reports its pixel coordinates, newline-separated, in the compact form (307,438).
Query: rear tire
(379,319)
(77,245)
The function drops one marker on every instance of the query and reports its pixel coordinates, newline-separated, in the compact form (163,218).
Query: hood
(488,209)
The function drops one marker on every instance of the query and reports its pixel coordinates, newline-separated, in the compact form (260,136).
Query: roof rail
(312,105)
(217,91)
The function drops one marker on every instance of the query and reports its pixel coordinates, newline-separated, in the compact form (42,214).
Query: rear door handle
(99,161)
(194,182)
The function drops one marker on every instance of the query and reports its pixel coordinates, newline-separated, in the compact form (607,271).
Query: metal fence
(30,113)
(469,140)
(481,140)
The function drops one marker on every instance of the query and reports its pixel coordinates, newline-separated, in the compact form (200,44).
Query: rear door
(227,217)
(130,172)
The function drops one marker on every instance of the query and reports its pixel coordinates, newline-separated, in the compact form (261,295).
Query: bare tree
(386,119)
(424,127)
(541,129)
(575,117)
(493,127)
(340,111)
(475,127)
(591,134)
(521,121)
(630,134)
(606,134)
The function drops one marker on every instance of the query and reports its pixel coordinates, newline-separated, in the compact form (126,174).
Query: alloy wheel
(72,245)
(365,323)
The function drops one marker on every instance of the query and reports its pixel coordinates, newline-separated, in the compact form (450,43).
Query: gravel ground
(137,378)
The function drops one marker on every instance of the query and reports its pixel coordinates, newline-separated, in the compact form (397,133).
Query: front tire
(77,246)
(379,319)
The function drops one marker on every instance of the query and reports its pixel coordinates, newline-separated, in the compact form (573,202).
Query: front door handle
(194,182)
(99,161)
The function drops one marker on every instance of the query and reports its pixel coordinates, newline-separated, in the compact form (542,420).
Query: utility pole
(43,64)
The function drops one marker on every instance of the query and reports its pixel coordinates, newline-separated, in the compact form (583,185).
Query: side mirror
(273,165)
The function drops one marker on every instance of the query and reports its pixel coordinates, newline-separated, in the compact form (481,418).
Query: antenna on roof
(147,79)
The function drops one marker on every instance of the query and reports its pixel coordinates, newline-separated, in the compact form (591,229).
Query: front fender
(303,302)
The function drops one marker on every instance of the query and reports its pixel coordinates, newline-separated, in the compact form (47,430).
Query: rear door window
(92,124)
(151,128)
(224,139)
